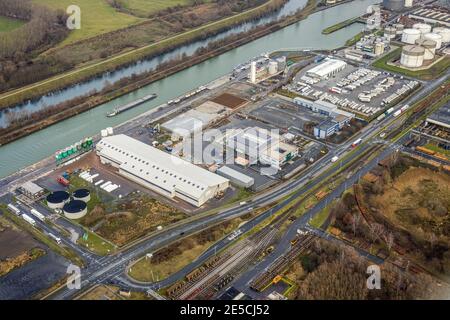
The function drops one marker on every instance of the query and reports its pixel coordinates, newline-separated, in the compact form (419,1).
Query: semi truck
(37,214)
(29,219)
(14,209)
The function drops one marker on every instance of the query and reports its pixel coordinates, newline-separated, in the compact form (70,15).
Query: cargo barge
(131,105)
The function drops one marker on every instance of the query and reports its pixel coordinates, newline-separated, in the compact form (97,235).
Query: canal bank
(305,34)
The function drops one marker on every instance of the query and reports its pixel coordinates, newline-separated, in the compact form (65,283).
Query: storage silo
(390,33)
(57,199)
(412,56)
(409,3)
(379,48)
(75,209)
(443,32)
(82,195)
(429,46)
(410,36)
(273,67)
(422,27)
(393,5)
(399,28)
(436,37)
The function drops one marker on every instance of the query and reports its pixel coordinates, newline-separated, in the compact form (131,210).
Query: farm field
(8,24)
(97,17)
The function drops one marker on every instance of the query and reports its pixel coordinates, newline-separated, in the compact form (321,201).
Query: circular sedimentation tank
(82,194)
(57,199)
(75,209)
(412,56)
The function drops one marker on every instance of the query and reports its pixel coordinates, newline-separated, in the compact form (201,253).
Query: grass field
(97,17)
(8,24)
(147,7)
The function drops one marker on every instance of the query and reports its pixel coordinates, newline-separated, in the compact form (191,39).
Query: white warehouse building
(159,171)
(327,68)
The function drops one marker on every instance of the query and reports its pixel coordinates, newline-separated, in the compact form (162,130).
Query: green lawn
(147,7)
(97,17)
(8,24)
(97,244)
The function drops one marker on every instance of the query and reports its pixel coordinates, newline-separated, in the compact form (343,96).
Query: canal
(304,34)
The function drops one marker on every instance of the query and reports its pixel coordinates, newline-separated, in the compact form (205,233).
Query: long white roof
(158,167)
(327,67)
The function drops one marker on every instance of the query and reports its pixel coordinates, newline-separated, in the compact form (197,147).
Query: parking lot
(359,90)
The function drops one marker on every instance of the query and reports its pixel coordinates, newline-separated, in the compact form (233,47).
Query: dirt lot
(230,100)
(9,234)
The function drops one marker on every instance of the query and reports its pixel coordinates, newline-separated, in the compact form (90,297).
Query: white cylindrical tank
(410,36)
(253,72)
(273,67)
(436,37)
(412,56)
(408,3)
(399,28)
(429,46)
(379,48)
(443,32)
(390,32)
(422,27)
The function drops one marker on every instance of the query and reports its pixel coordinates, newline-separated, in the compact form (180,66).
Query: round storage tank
(390,32)
(412,56)
(393,5)
(436,37)
(273,67)
(399,28)
(82,194)
(410,36)
(75,209)
(57,199)
(443,32)
(429,46)
(422,27)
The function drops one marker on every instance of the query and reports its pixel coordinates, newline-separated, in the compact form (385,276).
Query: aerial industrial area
(286,176)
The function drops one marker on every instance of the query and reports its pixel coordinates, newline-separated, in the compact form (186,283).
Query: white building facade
(159,171)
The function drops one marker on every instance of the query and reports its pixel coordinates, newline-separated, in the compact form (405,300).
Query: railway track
(281,264)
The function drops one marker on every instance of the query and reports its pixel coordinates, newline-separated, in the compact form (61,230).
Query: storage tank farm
(410,36)
(436,37)
(394,5)
(75,209)
(412,56)
(422,27)
(57,199)
(443,32)
(399,28)
(429,46)
(390,32)
(82,195)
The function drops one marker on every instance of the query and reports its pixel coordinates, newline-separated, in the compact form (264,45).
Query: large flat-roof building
(159,171)
(327,68)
